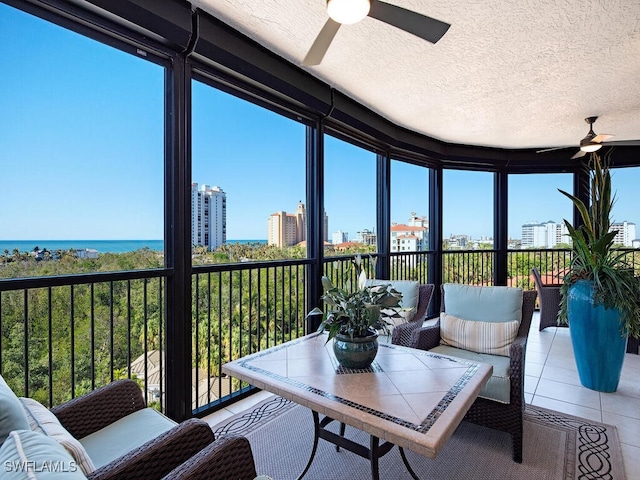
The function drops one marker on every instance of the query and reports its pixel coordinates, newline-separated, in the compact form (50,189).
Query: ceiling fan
(593,142)
(348,12)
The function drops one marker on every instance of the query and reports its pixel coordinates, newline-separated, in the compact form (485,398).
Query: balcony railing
(239,309)
(63,336)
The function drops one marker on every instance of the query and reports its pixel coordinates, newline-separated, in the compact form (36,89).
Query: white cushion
(124,435)
(43,421)
(31,455)
(482,337)
(12,415)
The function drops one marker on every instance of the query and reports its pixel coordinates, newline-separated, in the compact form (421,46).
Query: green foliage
(355,313)
(594,257)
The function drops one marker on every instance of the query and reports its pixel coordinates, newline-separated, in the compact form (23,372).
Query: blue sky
(81,154)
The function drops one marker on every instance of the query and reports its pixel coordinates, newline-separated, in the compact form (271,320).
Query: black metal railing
(239,309)
(64,336)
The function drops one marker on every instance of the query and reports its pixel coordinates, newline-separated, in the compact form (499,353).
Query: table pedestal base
(373,452)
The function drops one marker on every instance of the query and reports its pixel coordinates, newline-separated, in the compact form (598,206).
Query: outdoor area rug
(556,446)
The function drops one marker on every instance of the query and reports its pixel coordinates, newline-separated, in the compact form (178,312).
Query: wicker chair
(156,458)
(507,417)
(228,458)
(401,334)
(549,299)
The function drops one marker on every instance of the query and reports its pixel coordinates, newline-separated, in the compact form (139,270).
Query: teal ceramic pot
(598,342)
(358,352)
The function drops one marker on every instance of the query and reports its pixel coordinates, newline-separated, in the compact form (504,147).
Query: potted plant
(600,296)
(353,317)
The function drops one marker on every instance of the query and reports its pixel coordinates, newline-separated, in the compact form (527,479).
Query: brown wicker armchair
(153,460)
(228,458)
(549,299)
(507,417)
(401,334)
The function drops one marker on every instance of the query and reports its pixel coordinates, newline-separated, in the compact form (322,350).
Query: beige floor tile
(530,384)
(631,459)
(568,408)
(620,404)
(628,428)
(533,369)
(568,393)
(559,374)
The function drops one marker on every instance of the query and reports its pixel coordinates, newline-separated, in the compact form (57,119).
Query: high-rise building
(625,233)
(286,229)
(208,216)
(339,237)
(544,235)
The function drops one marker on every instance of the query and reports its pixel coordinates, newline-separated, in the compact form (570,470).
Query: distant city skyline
(82,136)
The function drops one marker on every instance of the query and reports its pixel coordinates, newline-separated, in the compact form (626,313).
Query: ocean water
(102,246)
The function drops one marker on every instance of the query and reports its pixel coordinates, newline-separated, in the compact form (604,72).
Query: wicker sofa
(121,436)
(501,403)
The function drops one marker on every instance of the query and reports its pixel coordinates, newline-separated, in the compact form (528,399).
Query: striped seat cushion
(482,337)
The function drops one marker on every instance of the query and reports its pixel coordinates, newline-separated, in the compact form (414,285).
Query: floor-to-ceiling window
(82,145)
(248,208)
(537,233)
(467,227)
(350,218)
(409,239)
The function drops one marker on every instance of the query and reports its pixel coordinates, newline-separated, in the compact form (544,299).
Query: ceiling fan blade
(321,44)
(622,143)
(420,25)
(601,137)
(580,153)
(550,149)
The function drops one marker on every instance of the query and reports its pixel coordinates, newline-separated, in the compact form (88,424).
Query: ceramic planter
(358,352)
(598,343)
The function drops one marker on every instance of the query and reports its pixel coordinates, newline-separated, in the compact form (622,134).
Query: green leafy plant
(355,313)
(594,257)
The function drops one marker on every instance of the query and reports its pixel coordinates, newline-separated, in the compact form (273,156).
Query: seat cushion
(43,421)
(482,337)
(12,416)
(498,387)
(26,454)
(488,304)
(122,436)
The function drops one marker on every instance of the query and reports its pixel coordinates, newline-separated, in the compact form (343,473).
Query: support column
(500,226)
(435,236)
(383,200)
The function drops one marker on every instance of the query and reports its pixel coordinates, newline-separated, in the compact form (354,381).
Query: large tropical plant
(355,313)
(595,259)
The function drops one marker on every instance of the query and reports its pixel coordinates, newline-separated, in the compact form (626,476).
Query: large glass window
(248,173)
(625,215)
(409,221)
(537,234)
(467,210)
(350,197)
(537,210)
(81,153)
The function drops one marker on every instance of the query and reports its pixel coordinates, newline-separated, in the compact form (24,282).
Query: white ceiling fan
(593,142)
(347,12)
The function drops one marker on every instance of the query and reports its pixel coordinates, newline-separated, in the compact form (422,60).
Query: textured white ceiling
(508,73)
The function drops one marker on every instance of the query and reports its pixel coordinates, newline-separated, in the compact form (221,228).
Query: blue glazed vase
(597,339)
(357,353)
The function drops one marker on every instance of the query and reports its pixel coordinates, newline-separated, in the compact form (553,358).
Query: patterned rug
(556,447)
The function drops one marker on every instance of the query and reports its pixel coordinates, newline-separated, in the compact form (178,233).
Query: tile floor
(552,382)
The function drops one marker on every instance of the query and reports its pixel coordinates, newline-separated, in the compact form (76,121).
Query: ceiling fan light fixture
(590,147)
(348,11)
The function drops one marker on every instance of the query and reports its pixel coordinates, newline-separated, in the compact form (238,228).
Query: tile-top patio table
(410,398)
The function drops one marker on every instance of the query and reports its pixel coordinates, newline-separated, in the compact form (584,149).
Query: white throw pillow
(482,337)
(43,421)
